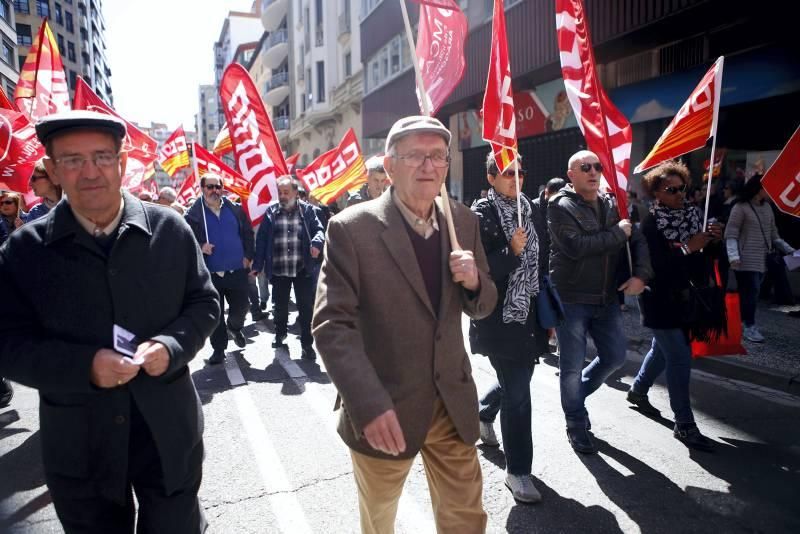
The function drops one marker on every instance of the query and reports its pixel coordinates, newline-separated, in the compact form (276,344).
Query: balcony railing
(278,37)
(344,24)
(280,123)
(278,80)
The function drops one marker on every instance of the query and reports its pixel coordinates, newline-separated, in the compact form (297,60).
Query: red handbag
(729,344)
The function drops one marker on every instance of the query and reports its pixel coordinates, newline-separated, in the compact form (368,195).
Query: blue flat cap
(51,126)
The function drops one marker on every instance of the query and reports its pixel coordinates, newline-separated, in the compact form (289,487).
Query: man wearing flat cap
(104,328)
(387,324)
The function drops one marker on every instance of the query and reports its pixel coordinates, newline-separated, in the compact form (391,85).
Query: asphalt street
(274,462)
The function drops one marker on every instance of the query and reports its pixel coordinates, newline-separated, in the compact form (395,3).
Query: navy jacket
(57,316)
(313,234)
(194,216)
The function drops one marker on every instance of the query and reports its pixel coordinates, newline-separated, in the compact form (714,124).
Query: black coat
(586,250)
(667,304)
(491,336)
(62,297)
(539,206)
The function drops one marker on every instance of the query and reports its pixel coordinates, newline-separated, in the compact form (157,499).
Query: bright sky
(159,52)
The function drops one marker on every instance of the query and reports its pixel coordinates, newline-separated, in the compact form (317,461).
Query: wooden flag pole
(426,110)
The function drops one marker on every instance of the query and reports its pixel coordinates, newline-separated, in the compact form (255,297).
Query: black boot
(692,438)
(6,392)
(643,404)
(581,441)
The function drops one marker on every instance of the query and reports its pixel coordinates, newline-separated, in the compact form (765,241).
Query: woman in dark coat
(682,255)
(509,335)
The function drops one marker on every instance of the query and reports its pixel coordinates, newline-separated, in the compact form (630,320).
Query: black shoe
(581,441)
(278,342)
(308,353)
(238,338)
(263,305)
(692,438)
(258,315)
(643,404)
(6,392)
(216,358)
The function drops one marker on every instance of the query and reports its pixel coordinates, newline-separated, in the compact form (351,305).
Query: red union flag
(174,155)
(189,190)
(442,33)
(694,123)
(607,132)
(5,103)
(336,171)
(499,123)
(258,153)
(782,180)
(20,149)
(42,87)
(141,147)
(232,180)
(291,161)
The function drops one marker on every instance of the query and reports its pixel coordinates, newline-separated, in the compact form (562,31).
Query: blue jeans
(604,324)
(511,396)
(670,349)
(749,284)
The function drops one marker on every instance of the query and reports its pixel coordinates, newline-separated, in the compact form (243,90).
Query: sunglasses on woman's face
(8,203)
(675,190)
(586,167)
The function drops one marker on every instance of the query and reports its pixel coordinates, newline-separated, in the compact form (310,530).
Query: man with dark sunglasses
(226,238)
(587,247)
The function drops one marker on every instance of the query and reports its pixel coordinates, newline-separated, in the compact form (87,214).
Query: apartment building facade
(79,28)
(9,67)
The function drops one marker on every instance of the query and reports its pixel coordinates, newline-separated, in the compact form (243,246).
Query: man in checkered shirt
(289,251)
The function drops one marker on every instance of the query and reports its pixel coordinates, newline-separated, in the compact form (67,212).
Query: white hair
(375,164)
(578,156)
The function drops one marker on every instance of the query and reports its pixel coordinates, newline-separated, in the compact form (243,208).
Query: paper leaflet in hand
(126,343)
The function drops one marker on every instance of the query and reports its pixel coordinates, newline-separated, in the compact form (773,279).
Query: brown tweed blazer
(383,344)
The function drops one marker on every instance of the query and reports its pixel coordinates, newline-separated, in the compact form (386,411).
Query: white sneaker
(751,333)
(488,437)
(522,488)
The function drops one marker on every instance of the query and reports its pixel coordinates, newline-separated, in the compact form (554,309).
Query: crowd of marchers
(380,289)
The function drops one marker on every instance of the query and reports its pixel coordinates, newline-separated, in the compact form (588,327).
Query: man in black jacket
(110,424)
(587,239)
(226,238)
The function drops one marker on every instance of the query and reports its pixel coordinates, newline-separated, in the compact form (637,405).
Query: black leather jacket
(587,248)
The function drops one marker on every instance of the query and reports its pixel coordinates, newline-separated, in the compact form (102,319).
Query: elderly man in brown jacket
(388,327)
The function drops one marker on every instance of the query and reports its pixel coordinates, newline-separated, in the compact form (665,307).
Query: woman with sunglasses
(682,257)
(10,214)
(509,335)
(750,236)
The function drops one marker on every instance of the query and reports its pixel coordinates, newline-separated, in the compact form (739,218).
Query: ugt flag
(782,181)
(232,180)
(42,87)
(336,171)
(222,143)
(442,33)
(20,149)
(607,132)
(499,122)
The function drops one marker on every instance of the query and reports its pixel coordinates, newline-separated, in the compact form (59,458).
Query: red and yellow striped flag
(174,155)
(336,171)
(223,144)
(42,87)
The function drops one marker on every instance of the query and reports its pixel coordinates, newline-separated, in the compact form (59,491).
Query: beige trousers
(454,481)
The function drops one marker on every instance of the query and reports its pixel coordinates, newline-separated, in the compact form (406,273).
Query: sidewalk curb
(725,367)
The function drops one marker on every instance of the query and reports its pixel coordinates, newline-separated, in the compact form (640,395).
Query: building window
(43,8)
(387,63)
(8,54)
(59,14)
(69,23)
(22,6)
(367,6)
(73,79)
(5,10)
(319,33)
(394,57)
(348,65)
(70,50)
(61,47)
(320,81)
(24,34)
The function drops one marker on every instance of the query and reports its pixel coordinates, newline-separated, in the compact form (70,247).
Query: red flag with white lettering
(442,34)
(336,171)
(499,122)
(258,153)
(42,87)
(782,180)
(20,149)
(141,147)
(5,103)
(190,188)
(291,162)
(607,132)
(232,180)
(174,155)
